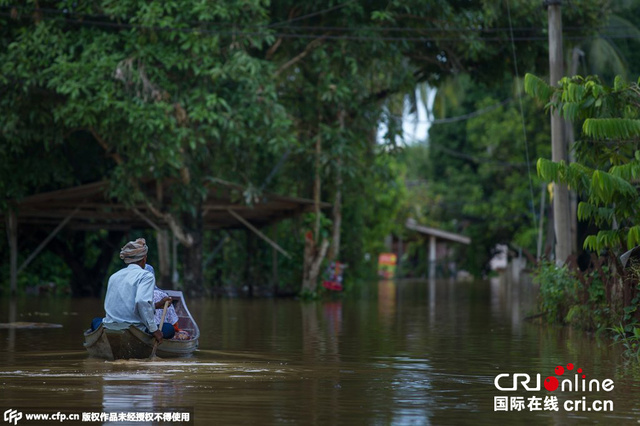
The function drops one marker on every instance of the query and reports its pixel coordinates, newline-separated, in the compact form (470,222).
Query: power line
(524,129)
(310,15)
(470,115)
(348,37)
(281,25)
(239,33)
(476,159)
(463,117)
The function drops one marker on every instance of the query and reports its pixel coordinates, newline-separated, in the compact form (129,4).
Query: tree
(182,95)
(166,98)
(607,156)
(476,179)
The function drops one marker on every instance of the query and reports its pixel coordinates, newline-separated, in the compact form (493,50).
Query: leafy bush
(629,337)
(558,291)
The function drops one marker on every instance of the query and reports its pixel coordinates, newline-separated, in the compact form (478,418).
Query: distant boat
(134,343)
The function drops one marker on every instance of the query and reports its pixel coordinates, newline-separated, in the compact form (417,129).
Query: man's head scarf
(134,251)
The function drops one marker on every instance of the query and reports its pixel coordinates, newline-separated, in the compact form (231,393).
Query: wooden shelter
(89,207)
(434,235)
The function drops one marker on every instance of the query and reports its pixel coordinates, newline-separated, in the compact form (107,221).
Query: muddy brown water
(401,353)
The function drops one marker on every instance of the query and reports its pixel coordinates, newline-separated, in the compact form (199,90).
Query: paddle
(155,345)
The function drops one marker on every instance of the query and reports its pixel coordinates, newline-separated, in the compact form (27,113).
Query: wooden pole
(174,262)
(164,261)
(561,207)
(217,248)
(399,258)
(432,257)
(46,240)
(155,344)
(274,263)
(162,237)
(146,219)
(12,234)
(257,231)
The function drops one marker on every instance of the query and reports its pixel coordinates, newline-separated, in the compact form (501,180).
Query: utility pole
(561,207)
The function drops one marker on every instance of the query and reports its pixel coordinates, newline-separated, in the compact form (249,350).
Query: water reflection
(432,302)
(13,315)
(153,389)
(387,301)
(422,352)
(512,299)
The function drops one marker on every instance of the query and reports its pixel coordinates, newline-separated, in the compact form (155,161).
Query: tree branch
(301,55)
(116,157)
(184,237)
(272,49)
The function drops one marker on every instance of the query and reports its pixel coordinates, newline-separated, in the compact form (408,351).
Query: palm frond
(611,128)
(633,237)
(606,187)
(538,88)
(604,56)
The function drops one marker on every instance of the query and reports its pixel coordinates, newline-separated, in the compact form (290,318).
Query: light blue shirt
(129,299)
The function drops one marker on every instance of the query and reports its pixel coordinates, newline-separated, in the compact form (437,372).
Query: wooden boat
(134,343)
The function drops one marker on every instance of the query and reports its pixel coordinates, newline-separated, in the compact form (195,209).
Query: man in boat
(129,298)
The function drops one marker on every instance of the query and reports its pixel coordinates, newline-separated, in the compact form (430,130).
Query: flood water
(401,353)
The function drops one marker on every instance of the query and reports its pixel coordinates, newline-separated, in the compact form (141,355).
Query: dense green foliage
(557,291)
(564,298)
(184,94)
(477,165)
(608,155)
(477,174)
(604,175)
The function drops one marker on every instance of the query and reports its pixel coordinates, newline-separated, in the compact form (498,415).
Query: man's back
(129,299)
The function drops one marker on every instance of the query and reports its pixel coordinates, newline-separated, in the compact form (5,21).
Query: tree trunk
(163,279)
(250,261)
(334,250)
(314,254)
(193,271)
(164,264)
(317,186)
(313,257)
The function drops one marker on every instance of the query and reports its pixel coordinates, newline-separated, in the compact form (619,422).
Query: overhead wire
(467,116)
(311,15)
(477,159)
(464,34)
(524,129)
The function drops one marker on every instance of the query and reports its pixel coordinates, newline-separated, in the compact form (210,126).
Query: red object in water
(332,285)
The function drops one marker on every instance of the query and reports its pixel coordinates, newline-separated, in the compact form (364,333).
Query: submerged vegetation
(575,298)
